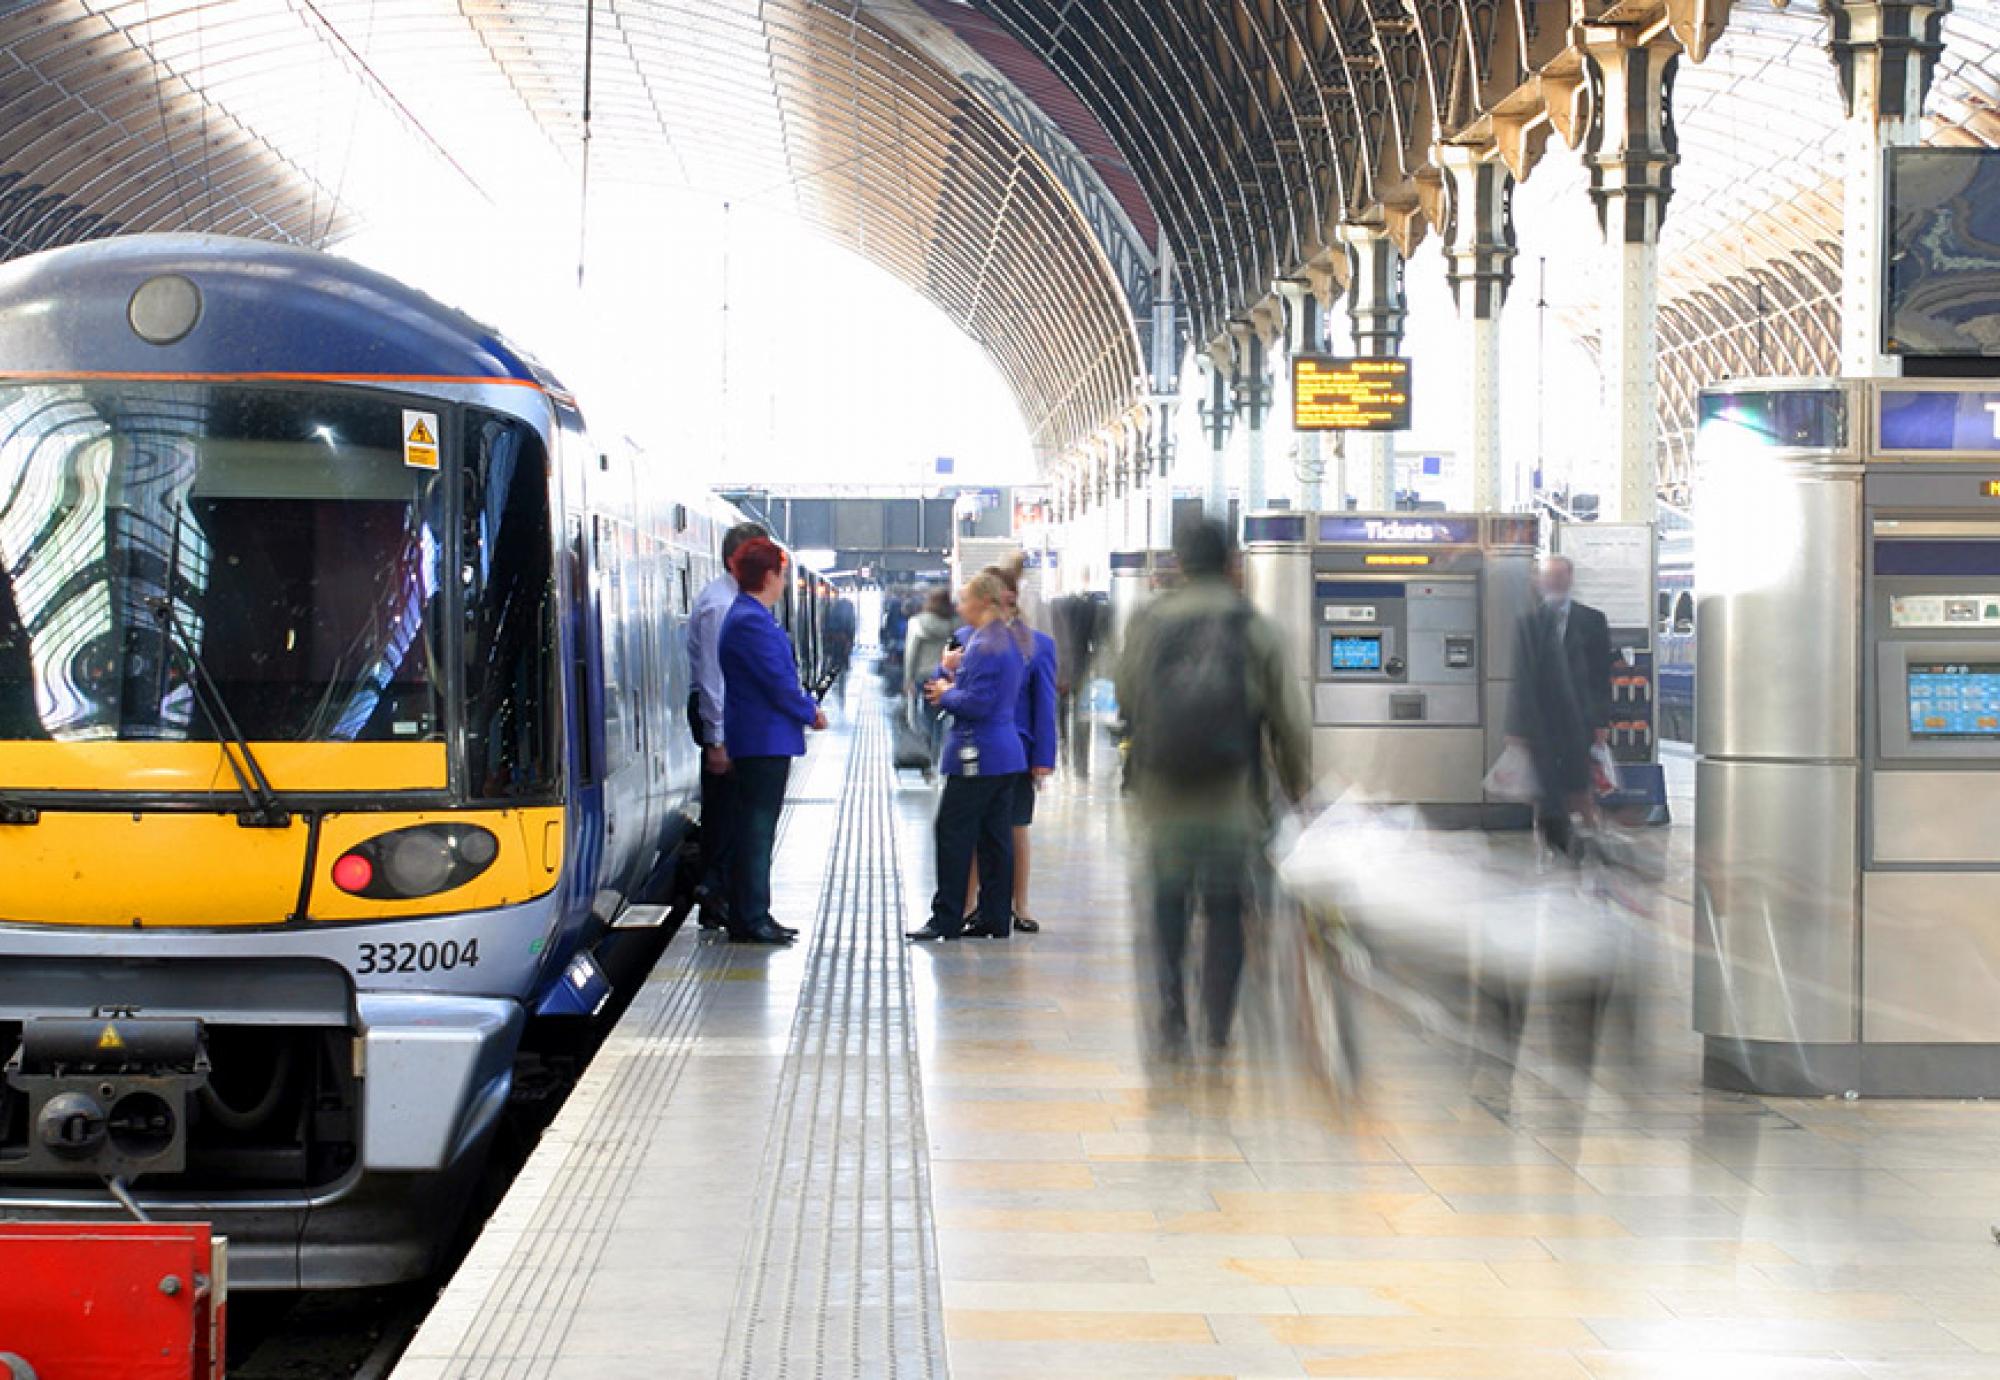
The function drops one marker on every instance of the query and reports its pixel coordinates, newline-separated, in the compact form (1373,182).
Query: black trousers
(975,817)
(718,839)
(759,800)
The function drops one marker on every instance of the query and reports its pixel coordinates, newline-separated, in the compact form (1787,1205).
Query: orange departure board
(1350,394)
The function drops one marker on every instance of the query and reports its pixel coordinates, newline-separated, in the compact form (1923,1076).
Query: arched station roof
(302,120)
(1013,160)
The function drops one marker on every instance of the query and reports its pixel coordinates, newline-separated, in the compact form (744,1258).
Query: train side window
(1684,613)
(507,565)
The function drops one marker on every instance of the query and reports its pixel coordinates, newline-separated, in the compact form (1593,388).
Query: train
(343,696)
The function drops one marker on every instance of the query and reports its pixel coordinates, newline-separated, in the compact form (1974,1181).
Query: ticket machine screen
(1954,700)
(1356,652)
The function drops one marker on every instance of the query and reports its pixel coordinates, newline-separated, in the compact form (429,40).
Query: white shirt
(711,606)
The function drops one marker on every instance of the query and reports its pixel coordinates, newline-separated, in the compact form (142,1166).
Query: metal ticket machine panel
(1135,577)
(1848,783)
(1402,625)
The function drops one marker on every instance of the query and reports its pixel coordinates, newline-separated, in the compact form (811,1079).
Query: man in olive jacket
(1217,727)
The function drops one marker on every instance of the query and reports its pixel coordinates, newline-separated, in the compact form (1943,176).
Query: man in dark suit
(1561,705)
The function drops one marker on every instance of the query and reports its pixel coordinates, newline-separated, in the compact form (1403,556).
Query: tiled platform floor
(1096,1217)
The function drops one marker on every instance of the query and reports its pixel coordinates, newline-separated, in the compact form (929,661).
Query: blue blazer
(764,712)
(1035,715)
(982,702)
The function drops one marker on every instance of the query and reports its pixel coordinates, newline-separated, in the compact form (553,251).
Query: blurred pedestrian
(1560,706)
(705,721)
(980,686)
(841,628)
(1217,725)
(929,633)
(1076,633)
(765,715)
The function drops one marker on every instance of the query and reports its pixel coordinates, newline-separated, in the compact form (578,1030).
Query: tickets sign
(1350,394)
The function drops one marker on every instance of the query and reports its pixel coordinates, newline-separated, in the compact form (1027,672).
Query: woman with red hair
(764,718)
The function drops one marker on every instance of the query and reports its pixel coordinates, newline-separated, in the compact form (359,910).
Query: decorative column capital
(1251,388)
(1630,147)
(1375,304)
(1885,52)
(1303,328)
(1479,227)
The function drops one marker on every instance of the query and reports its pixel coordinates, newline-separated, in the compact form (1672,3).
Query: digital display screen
(1955,700)
(1350,394)
(1361,652)
(1943,279)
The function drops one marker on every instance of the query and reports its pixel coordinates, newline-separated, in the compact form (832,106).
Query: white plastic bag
(1513,776)
(1603,769)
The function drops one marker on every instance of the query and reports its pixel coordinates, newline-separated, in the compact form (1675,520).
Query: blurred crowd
(1276,904)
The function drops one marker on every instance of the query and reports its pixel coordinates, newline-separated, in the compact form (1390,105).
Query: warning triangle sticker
(109,1038)
(420,434)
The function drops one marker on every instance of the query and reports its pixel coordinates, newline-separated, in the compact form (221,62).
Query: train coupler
(106,1098)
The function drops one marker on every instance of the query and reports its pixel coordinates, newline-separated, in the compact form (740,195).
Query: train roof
(123,306)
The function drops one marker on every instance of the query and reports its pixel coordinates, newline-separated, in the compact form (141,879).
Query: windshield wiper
(266,810)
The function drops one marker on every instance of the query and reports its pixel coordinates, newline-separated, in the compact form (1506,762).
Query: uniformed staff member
(980,687)
(765,715)
(711,606)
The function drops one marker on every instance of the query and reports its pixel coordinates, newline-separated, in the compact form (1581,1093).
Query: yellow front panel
(148,870)
(179,768)
(160,870)
(524,869)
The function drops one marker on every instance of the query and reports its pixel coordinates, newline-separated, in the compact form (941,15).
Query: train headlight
(418,861)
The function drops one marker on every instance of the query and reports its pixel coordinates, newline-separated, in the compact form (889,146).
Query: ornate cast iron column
(1631,153)
(1479,259)
(1885,52)
(1376,310)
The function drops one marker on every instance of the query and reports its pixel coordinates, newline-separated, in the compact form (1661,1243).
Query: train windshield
(295,530)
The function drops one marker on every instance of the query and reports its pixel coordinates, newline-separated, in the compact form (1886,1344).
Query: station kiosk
(1403,625)
(1848,729)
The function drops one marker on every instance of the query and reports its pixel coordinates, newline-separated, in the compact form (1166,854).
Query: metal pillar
(1479,259)
(1218,414)
(1376,311)
(1109,506)
(1164,404)
(1885,52)
(1303,333)
(1252,390)
(1631,156)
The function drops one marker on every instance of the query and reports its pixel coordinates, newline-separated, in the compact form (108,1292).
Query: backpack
(1199,727)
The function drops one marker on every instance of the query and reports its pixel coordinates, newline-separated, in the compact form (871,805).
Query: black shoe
(766,933)
(1027,924)
(929,932)
(713,919)
(986,932)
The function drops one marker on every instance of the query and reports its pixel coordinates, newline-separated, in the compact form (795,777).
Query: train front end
(282,829)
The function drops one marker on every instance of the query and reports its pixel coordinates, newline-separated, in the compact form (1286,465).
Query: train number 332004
(431,956)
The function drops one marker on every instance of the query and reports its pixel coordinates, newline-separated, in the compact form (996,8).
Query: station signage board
(1397,531)
(1943,422)
(1367,394)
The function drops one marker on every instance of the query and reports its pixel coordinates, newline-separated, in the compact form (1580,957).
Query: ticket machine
(1403,626)
(1136,576)
(1847,844)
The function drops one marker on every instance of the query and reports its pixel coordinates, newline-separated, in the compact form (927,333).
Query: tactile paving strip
(841,1279)
(525,1314)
